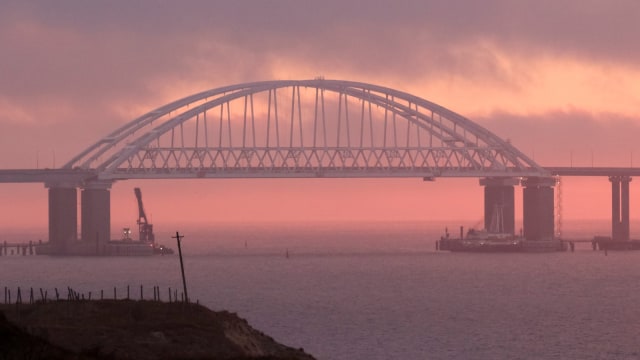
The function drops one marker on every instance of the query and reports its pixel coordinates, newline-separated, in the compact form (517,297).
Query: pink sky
(559,79)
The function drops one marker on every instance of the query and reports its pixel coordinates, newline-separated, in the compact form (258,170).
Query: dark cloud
(110,44)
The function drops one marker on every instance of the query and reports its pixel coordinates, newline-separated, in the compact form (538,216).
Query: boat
(482,241)
(494,239)
(129,247)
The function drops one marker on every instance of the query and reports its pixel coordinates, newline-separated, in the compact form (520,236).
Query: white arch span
(303,128)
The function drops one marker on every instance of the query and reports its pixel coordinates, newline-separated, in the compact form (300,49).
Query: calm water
(380,291)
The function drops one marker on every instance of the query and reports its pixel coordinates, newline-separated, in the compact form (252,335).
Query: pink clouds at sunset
(559,79)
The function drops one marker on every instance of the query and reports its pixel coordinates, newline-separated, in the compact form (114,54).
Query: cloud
(565,138)
(89,66)
(108,44)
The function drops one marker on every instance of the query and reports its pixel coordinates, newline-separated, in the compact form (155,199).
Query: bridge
(302,129)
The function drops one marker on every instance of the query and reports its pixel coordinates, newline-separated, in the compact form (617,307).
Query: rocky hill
(126,329)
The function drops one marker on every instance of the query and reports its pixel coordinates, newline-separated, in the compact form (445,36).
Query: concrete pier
(96,215)
(538,208)
(63,216)
(620,229)
(499,192)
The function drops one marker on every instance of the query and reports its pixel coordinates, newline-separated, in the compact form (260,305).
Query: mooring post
(178,237)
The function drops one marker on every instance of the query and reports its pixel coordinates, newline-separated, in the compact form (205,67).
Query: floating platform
(607,243)
(111,248)
(503,245)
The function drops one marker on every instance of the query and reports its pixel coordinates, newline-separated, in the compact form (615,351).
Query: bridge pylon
(620,229)
(499,192)
(96,214)
(63,216)
(538,208)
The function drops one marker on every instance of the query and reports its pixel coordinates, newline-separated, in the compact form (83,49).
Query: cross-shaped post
(179,237)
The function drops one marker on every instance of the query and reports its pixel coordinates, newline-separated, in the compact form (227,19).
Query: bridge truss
(302,128)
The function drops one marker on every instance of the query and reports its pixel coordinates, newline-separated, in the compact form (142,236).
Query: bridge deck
(76,176)
(594,171)
(45,175)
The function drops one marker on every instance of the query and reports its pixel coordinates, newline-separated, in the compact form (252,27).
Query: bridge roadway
(593,171)
(77,176)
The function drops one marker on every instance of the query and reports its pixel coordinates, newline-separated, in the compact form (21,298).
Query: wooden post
(178,237)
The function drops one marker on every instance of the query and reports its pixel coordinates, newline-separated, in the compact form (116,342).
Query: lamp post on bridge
(53,158)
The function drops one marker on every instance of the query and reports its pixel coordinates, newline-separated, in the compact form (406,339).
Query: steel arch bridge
(302,128)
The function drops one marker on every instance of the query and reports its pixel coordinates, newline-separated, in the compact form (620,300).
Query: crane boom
(141,215)
(146,229)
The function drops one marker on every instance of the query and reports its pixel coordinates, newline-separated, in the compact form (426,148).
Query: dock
(18,249)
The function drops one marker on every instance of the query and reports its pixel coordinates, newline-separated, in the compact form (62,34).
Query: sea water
(377,291)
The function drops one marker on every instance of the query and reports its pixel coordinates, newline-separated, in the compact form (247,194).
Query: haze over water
(380,291)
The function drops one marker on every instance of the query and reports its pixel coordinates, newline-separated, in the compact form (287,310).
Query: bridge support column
(63,217)
(538,208)
(499,197)
(620,229)
(96,215)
